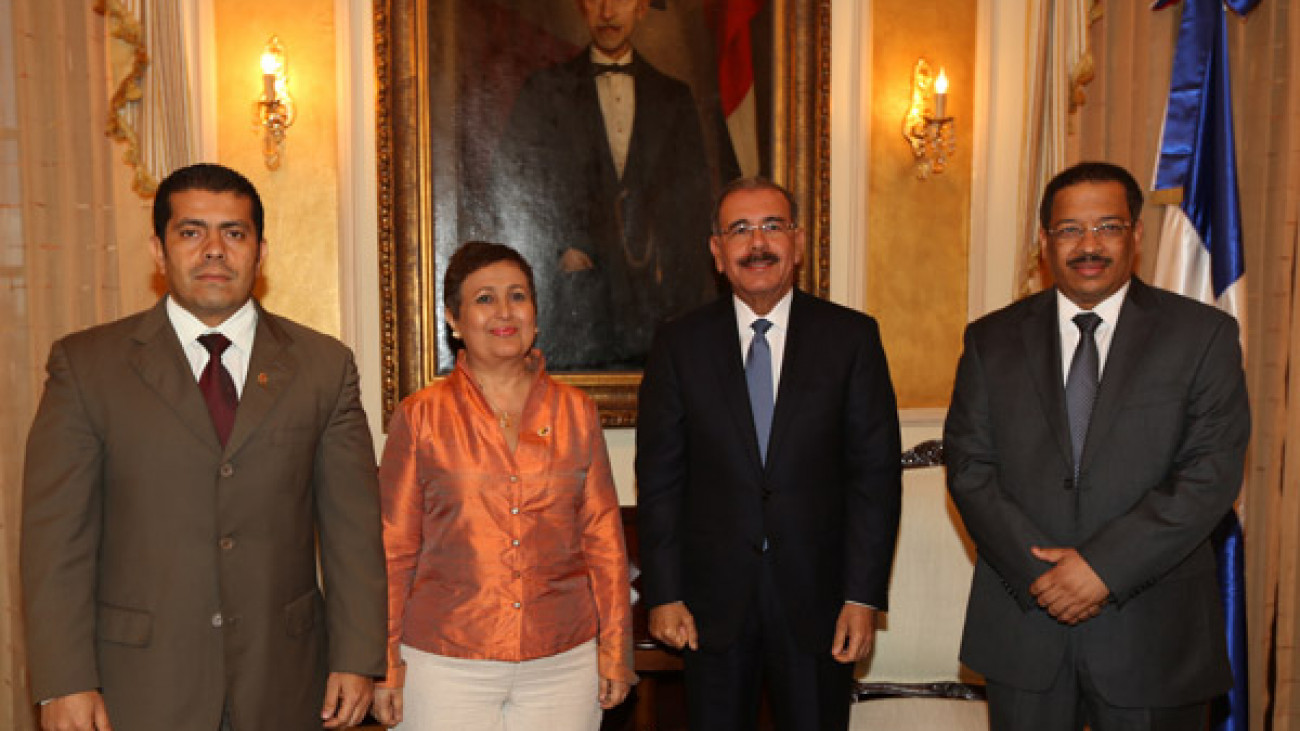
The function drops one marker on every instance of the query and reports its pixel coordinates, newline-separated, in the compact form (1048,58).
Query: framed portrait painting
(592,136)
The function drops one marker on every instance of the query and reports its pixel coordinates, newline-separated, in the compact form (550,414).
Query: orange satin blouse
(501,556)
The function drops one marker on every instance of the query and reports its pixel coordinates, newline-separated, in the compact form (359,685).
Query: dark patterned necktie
(217,386)
(758,377)
(1081,383)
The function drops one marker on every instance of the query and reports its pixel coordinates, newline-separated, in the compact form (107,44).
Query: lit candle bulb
(271,65)
(941,95)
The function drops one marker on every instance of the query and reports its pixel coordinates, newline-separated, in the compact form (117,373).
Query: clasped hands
(1070,591)
(855,630)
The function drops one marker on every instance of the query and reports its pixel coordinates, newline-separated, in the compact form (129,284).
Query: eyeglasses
(744,230)
(1072,233)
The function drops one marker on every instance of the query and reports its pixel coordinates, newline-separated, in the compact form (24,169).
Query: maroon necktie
(217,386)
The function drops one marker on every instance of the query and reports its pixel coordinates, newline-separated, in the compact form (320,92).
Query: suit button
(226,543)
(217,620)
(514,478)
(514,511)
(227,470)
(767,493)
(517,605)
(515,542)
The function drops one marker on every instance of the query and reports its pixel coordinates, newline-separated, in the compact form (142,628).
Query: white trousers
(556,693)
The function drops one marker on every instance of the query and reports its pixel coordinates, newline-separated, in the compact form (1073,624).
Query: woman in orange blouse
(508,590)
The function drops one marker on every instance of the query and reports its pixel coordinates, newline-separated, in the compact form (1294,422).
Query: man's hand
(855,633)
(1070,591)
(575,260)
(82,711)
(612,692)
(387,709)
(347,697)
(673,625)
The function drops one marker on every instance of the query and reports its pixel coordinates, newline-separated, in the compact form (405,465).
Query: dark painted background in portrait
(454,101)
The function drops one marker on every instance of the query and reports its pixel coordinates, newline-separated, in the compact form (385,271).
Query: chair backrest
(916,649)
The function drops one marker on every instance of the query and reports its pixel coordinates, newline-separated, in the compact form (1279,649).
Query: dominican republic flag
(731,28)
(1201,253)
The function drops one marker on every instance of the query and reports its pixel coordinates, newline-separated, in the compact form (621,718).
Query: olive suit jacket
(178,576)
(1162,463)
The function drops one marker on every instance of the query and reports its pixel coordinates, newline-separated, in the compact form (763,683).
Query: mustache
(1089,259)
(759,257)
(212,268)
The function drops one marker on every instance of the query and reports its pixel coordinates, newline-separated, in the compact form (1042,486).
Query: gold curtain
(1121,123)
(59,269)
(1059,64)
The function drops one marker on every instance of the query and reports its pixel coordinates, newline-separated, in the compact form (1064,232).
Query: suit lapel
(723,343)
(793,367)
(160,362)
(271,368)
(645,144)
(1136,324)
(1040,333)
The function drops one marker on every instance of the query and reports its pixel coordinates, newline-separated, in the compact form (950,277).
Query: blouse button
(514,511)
(514,478)
(515,542)
(517,605)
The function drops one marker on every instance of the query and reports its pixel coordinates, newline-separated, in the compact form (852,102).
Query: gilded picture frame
(416,182)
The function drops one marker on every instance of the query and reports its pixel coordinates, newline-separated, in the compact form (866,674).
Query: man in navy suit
(768,477)
(1096,437)
(602,179)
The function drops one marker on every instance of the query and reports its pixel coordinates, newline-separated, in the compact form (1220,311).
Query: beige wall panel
(917,269)
(301,199)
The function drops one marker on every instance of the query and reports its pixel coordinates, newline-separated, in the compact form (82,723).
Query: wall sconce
(275,108)
(927,126)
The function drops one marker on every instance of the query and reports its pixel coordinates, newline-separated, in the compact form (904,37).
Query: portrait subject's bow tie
(611,68)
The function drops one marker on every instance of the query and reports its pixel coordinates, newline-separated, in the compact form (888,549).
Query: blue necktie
(1081,383)
(758,376)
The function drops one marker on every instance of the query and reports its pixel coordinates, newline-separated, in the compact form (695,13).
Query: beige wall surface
(302,209)
(919,230)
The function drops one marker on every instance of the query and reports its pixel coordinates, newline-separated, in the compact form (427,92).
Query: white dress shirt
(780,319)
(1107,310)
(617,94)
(239,328)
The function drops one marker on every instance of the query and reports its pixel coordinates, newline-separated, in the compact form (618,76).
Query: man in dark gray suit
(768,480)
(1096,437)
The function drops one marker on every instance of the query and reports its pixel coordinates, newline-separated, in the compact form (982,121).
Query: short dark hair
(753,182)
(204,176)
(473,256)
(1091,172)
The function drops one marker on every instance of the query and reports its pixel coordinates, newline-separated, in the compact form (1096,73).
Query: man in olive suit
(187,468)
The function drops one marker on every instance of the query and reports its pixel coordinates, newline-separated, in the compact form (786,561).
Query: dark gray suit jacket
(177,575)
(827,501)
(1162,464)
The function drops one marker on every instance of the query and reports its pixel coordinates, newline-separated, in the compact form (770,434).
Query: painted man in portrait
(601,176)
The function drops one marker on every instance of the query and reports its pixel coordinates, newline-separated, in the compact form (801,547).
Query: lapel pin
(263,379)
(544,431)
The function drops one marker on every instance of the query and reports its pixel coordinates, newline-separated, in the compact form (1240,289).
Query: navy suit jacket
(1161,466)
(826,502)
